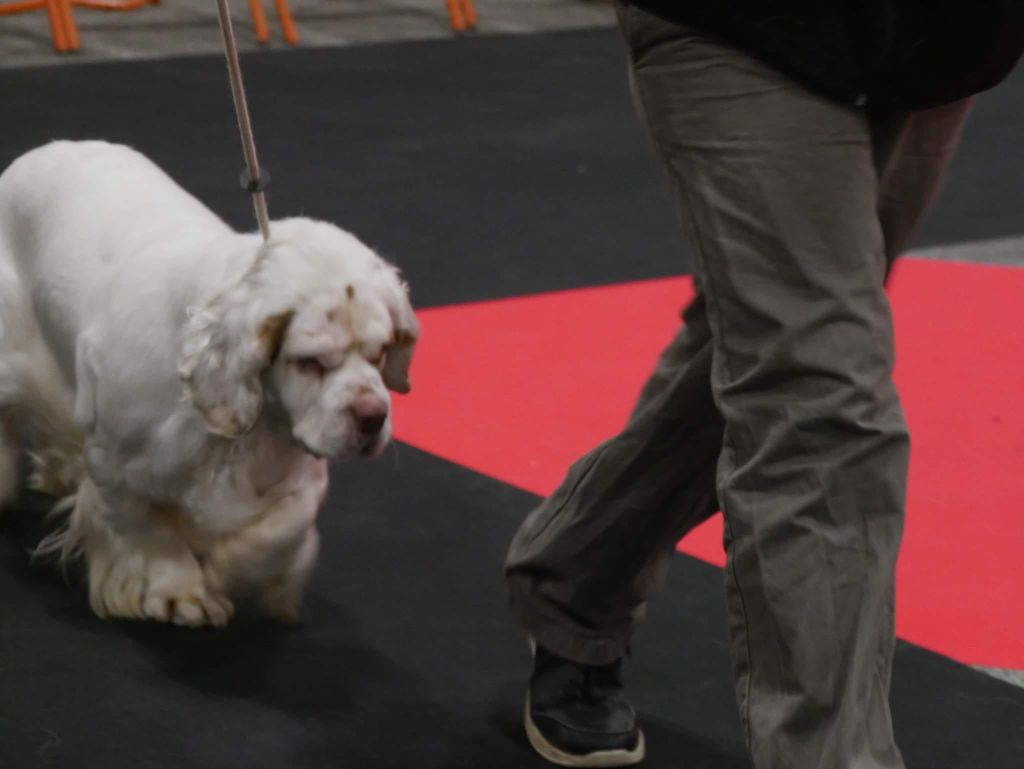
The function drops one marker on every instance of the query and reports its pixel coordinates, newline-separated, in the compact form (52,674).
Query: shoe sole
(603,759)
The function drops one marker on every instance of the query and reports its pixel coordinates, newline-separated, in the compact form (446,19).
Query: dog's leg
(12,319)
(9,456)
(139,564)
(33,388)
(57,466)
(57,463)
(272,558)
(282,598)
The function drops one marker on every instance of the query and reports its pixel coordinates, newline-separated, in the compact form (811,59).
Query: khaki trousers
(775,403)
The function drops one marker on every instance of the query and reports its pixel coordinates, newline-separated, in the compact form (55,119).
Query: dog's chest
(255,484)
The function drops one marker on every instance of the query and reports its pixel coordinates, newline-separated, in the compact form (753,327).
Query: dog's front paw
(191,609)
(133,586)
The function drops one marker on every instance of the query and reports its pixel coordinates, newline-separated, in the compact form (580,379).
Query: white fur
(185,383)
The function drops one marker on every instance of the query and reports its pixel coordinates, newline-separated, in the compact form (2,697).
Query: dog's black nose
(369,412)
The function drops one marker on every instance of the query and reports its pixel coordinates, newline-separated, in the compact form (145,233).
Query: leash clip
(258,184)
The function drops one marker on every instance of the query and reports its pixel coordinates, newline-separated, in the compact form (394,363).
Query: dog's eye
(310,365)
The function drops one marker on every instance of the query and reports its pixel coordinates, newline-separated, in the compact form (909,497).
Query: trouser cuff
(557,633)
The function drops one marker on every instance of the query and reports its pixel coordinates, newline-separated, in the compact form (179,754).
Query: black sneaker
(577,715)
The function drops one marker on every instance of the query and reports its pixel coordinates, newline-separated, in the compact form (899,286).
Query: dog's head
(321,327)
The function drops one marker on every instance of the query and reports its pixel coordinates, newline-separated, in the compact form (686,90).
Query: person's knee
(820,416)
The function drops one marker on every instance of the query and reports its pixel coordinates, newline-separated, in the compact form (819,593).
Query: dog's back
(74,215)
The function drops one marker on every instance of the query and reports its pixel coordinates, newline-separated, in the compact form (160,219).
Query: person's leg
(912,153)
(584,562)
(578,571)
(780,192)
(913,150)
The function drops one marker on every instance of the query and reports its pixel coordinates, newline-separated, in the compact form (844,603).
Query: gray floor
(188,27)
(183,27)
(1015,677)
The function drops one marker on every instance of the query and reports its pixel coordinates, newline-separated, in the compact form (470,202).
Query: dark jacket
(906,54)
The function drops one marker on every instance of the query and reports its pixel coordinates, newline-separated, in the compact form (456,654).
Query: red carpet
(517,389)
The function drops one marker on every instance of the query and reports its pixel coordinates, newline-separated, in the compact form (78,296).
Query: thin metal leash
(253,179)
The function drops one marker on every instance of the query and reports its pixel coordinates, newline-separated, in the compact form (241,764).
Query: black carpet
(407,659)
(485,167)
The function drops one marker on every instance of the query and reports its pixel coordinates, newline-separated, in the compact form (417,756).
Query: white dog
(186,383)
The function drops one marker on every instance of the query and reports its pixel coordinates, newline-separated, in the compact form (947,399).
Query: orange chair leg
(259,20)
(469,13)
(284,15)
(111,5)
(56,19)
(7,9)
(70,29)
(455,14)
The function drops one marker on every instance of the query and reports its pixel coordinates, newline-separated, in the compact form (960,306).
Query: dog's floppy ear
(405,328)
(224,350)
